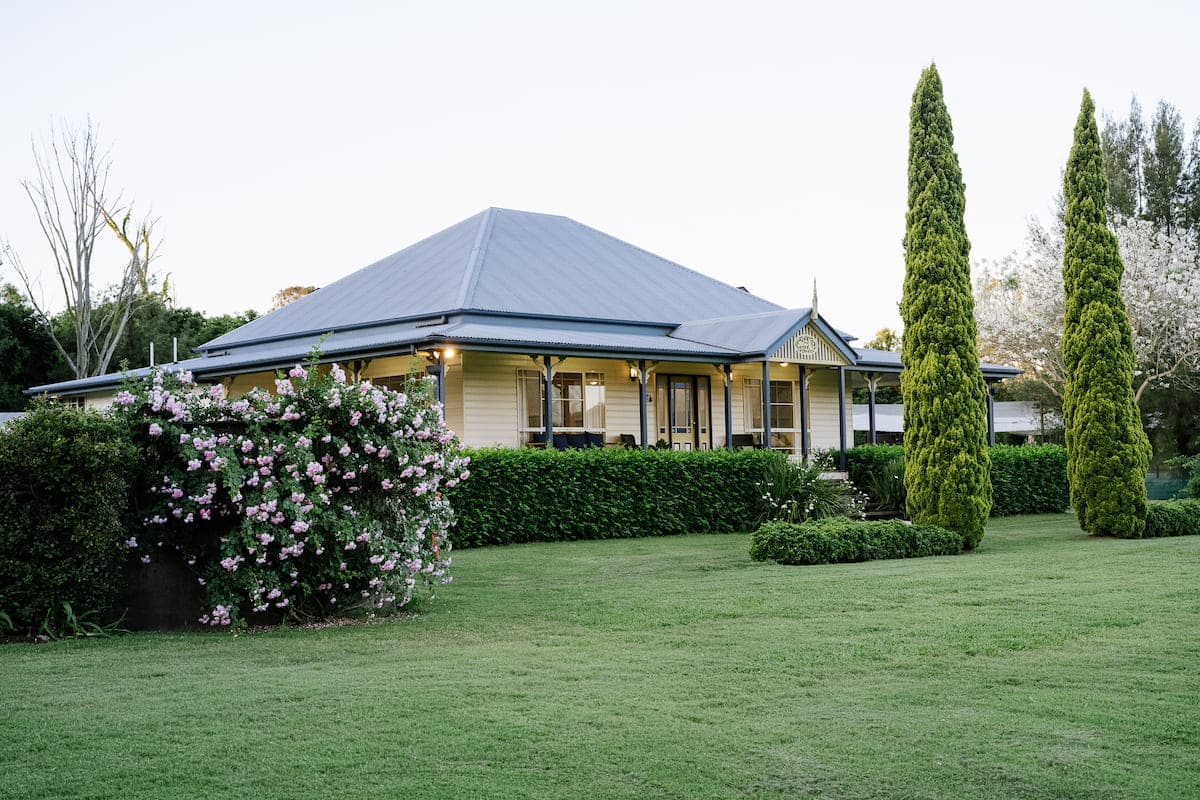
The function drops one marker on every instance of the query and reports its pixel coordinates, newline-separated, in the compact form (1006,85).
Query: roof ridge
(475,258)
(801,310)
(665,260)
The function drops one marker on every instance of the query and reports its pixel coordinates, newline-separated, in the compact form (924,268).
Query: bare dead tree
(70,197)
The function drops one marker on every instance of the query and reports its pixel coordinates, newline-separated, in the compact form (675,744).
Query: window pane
(530,399)
(752,403)
(782,410)
(573,414)
(702,403)
(593,412)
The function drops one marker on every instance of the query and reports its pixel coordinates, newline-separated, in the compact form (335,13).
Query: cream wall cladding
(489,396)
(809,346)
(822,401)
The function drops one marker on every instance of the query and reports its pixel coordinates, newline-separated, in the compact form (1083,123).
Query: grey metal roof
(498,332)
(631,341)
(515,262)
(745,333)
(517,281)
(890,361)
(1010,416)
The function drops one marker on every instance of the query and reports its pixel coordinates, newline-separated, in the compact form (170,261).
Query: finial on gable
(814,302)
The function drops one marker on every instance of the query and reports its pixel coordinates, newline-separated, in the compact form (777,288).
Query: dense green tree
(1163,167)
(885,339)
(154,320)
(1190,218)
(1124,144)
(945,418)
(1152,173)
(1108,452)
(28,356)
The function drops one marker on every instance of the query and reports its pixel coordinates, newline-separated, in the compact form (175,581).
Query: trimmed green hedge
(529,495)
(65,480)
(835,540)
(1172,518)
(1029,479)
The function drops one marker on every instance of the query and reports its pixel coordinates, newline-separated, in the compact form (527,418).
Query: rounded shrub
(1172,518)
(837,539)
(65,481)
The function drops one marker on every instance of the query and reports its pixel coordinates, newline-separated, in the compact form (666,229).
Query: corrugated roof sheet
(580,339)
(515,262)
(422,279)
(745,333)
(886,359)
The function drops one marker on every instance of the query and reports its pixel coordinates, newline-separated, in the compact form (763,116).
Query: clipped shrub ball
(836,540)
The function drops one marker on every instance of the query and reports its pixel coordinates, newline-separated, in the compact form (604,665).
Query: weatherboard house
(541,330)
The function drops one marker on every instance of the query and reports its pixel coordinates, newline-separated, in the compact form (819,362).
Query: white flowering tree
(1019,306)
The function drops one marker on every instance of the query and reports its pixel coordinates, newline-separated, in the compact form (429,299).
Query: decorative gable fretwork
(809,346)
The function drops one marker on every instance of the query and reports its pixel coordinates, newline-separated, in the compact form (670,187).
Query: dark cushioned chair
(741,440)
(594,439)
(575,441)
(629,441)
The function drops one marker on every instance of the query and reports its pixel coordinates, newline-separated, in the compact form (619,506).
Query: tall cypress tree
(1107,450)
(946,463)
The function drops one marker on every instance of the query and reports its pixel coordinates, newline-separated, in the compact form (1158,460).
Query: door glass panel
(681,411)
(660,414)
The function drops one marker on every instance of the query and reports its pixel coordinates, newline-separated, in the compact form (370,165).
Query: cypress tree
(946,469)
(1107,450)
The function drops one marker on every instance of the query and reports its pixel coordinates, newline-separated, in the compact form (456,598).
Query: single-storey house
(542,330)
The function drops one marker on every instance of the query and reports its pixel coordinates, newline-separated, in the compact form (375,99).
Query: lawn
(1046,664)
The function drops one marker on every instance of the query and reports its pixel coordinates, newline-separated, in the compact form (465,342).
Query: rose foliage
(319,498)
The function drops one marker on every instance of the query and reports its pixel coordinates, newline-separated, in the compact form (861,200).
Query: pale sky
(762,143)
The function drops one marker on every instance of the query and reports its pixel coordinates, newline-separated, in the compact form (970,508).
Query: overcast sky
(763,143)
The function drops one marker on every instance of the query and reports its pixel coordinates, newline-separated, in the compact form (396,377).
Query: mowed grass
(1046,664)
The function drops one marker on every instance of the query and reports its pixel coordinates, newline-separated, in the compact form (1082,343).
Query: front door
(683,411)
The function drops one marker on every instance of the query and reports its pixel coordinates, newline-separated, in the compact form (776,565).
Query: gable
(810,346)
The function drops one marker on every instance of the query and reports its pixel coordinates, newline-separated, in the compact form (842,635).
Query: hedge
(835,540)
(1027,479)
(530,495)
(1172,518)
(65,480)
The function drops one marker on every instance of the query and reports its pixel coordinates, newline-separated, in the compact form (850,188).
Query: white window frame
(594,401)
